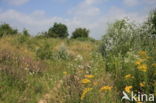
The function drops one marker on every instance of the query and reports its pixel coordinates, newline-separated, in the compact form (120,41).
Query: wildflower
(89,76)
(154,64)
(143,53)
(65,73)
(95,83)
(142,84)
(128,89)
(128,76)
(105,88)
(138,62)
(143,67)
(85,91)
(85,81)
(79,58)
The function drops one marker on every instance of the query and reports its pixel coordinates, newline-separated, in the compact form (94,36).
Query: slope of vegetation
(50,68)
(32,67)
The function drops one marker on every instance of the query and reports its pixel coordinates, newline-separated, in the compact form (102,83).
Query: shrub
(80,33)
(58,30)
(21,39)
(86,39)
(118,39)
(129,52)
(62,53)
(5,29)
(44,52)
(25,32)
(152,21)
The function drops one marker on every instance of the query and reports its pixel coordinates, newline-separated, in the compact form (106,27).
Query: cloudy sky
(39,15)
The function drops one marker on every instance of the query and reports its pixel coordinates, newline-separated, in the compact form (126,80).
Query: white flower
(79,57)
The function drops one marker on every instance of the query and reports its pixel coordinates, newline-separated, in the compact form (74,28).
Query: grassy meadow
(61,70)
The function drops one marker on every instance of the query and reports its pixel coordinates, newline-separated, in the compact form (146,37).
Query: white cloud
(37,20)
(86,8)
(16,2)
(131,2)
(90,16)
(35,23)
(138,2)
(150,1)
(99,26)
(85,14)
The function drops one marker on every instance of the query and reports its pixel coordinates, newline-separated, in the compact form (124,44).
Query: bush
(22,38)
(152,21)
(58,31)
(25,32)
(62,53)
(118,39)
(86,39)
(129,52)
(5,29)
(80,33)
(44,52)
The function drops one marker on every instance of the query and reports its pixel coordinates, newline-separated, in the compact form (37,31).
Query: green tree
(6,29)
(25,32)
(80,33)
(58,30)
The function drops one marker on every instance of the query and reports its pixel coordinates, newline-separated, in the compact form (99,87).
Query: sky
(39,15)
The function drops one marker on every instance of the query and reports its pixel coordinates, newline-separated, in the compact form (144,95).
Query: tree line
(58,30)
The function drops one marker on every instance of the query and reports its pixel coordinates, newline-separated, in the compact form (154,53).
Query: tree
(25,32)
(58,30)
(5,29)
(80,33)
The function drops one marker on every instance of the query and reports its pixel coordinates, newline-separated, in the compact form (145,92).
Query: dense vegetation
(80,33)
(58,30)
(5,29)
(51,68)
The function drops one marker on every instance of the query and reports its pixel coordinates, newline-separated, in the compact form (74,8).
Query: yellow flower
(85,91)
(105,88)
(143,53)
(128,76)
(139,102)
(128,89)
(65,73)
(85,81)
(142,84)
(143,67)
(89,76)
(154,65)
(138,62)
(95,83)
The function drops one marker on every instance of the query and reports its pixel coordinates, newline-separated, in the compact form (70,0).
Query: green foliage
(86,39)
(62,53)
(58,31)
(5,29)
(25,32)
(118,39)
(42,35)
(128,51)
(21,39)
(80,33)
(44,52)
(152,21)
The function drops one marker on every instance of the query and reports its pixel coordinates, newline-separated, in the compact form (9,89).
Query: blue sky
(39,15)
